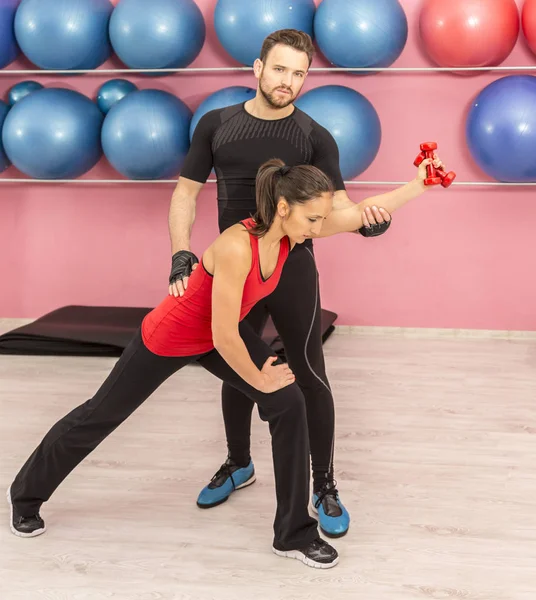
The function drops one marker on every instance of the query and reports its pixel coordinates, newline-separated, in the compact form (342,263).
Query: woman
(242,266)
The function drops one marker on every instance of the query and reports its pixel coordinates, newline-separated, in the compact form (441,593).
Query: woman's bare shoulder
(232,245)
(235,239)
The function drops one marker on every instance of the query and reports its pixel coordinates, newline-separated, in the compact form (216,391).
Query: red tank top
(183,326)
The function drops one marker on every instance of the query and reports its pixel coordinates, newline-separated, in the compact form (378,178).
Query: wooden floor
(435,458)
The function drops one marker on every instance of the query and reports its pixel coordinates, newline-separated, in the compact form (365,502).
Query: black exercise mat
(76,331)
(101,331)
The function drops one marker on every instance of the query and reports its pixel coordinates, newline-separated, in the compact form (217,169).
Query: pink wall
(457,258)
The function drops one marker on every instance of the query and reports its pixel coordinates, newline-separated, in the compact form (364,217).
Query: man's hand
(182,265)
(375,221)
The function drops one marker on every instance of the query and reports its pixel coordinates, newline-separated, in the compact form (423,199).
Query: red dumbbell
(434,176)
(446,178)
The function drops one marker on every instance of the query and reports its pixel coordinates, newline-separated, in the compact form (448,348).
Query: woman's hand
(422,174)
(275,377)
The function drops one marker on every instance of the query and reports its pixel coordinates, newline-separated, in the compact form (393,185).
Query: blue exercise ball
(361,33)
(501,129)
(53,134)
(145,136)
(220,99)
(64,34)
(4,160)
(23,89)
(112,91)
(157,34)
(9,49)
(352,121)
(242,25)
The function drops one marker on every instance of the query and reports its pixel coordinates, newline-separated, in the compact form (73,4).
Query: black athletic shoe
(24,526)
(318,554)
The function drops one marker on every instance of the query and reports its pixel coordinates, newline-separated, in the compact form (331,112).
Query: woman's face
(302,221)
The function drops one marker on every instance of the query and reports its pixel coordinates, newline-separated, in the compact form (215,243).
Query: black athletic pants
(136,375)
(295,310)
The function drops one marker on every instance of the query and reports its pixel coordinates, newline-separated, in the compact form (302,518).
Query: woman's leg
(284,410)
(136,375)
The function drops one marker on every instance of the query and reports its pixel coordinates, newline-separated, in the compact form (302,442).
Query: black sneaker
(25,526)
(318,554)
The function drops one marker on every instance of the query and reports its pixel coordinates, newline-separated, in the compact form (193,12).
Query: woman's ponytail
(266,193)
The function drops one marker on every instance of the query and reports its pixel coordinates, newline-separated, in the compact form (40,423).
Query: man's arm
(194,173)
(182,213)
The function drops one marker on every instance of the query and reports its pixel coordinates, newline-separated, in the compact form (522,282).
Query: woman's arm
(232,262)
(347,216)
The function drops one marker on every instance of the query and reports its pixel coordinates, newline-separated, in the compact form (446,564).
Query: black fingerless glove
(375,229)
(181,265)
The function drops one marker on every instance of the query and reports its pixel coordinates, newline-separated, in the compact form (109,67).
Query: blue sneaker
(230,477)
(333,518)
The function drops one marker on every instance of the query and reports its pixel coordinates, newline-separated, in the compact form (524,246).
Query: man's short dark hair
(299,40)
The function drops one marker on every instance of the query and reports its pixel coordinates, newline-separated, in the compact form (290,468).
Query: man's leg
(238,470)
(295,310)
(237,407)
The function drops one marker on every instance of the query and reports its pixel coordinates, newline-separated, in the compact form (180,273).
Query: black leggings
(295,310)
(136,375)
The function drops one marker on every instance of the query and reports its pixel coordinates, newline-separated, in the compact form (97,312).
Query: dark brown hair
(299,40)
(297,185)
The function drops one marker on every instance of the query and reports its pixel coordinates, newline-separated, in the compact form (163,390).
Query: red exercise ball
(528,19)
(469,33)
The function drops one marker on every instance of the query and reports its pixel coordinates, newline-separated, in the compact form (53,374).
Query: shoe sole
(247,483)
(296,554)
(333,536)
(13,530)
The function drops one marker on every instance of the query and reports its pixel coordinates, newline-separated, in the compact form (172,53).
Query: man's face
(282,75)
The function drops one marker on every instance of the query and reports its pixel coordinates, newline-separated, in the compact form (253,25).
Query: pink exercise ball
(469,33)
(528,20)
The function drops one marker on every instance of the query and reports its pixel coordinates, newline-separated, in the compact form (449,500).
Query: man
(236,141)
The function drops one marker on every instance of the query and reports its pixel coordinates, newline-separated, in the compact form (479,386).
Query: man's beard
(273,101)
